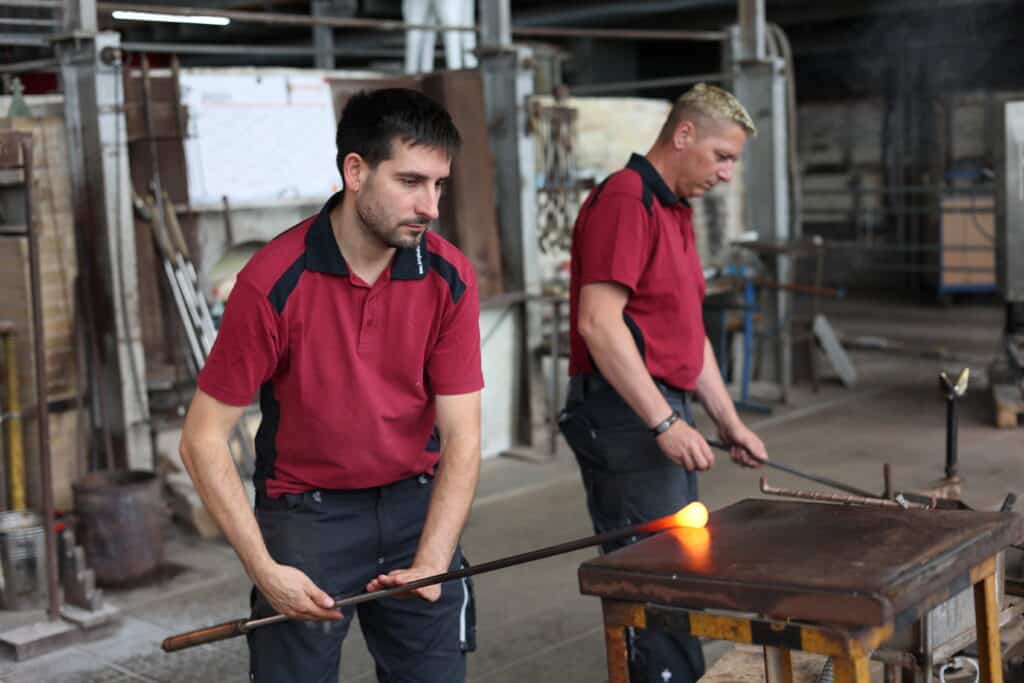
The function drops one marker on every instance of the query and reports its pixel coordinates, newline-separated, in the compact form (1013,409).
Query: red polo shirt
(346,372)
(635,231)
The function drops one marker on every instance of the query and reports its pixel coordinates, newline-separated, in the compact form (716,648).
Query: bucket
(120,515)
(22,560)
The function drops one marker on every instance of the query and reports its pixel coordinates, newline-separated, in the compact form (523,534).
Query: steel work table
(835,580)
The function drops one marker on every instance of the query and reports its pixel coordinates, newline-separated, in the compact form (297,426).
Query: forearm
(712,392)
(450,501)
(213,472)
(614,352)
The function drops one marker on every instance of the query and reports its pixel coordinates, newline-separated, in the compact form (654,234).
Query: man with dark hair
(638,351)
(359,328)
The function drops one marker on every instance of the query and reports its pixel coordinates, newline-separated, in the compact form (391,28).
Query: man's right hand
(685,446)
(294,595)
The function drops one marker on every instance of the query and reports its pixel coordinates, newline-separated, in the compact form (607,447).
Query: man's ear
(354,170)
(684,135)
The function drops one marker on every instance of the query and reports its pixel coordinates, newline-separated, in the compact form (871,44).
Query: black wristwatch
(663,426)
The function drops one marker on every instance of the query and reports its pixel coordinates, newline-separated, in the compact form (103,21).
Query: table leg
(851,670)
(778,665)
(986,616)
(618,657)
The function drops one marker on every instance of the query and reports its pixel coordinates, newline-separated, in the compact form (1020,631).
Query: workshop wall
(52,217)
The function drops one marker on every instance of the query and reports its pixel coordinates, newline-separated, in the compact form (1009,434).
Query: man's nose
(427,204)
(725,172)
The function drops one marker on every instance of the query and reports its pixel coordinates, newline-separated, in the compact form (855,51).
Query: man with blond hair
(638,351)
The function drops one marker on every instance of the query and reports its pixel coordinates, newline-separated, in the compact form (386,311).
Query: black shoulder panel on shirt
(597,192)
(450,275)
(286,284)
(648,199)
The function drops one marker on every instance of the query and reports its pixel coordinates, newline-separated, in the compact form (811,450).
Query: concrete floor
(533,624)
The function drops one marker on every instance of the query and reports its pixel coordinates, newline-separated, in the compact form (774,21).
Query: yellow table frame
(850,648)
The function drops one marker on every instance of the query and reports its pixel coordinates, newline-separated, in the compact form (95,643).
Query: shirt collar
(323,254)
(653,181)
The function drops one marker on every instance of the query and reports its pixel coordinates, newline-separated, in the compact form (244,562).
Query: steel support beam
(93,89)
(760,84)
(323,35)
(508,83)
(80,16)
(752,30)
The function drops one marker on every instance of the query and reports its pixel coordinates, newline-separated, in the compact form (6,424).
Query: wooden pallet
(1008,401)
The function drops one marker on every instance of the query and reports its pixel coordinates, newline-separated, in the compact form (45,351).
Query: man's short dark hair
(372,119)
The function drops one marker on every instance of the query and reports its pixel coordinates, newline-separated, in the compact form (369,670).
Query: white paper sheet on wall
(258,138)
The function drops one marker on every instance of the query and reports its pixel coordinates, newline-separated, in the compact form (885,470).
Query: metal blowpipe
(694,515)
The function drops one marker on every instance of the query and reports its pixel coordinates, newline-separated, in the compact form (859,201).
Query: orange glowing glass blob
(694,515)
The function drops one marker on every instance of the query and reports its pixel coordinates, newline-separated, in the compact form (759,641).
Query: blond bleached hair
(706,106)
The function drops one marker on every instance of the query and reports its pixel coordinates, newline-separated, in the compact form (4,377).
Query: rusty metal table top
(852,565)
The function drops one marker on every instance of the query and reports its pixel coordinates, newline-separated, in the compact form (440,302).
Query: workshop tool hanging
(693,516)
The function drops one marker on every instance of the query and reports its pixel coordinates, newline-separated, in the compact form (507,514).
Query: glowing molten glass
(694,515)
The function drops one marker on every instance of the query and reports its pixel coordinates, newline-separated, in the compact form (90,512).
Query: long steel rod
(238,627)
(391,25)
(824,481)
(33,4)
(617,34)
(246,49)
(42,404)
(274,18)
(47,64)
(18,21)
(647,84)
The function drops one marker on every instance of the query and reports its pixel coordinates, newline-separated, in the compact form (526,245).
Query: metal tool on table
(824,481)
(694,516)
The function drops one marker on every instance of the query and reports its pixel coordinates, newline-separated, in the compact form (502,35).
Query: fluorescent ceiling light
(171,18)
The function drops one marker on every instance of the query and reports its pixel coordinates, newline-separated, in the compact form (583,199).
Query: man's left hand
(400,577)
(747,449)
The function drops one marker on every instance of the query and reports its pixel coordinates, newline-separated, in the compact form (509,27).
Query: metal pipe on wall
(15,440)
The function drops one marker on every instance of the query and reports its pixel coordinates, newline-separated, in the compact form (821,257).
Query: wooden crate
(968,241)
(1008,402)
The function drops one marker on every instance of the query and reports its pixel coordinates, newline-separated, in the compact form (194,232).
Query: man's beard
(390,237)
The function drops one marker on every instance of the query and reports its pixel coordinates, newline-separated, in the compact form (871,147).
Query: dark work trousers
(629,480)
(341,540)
